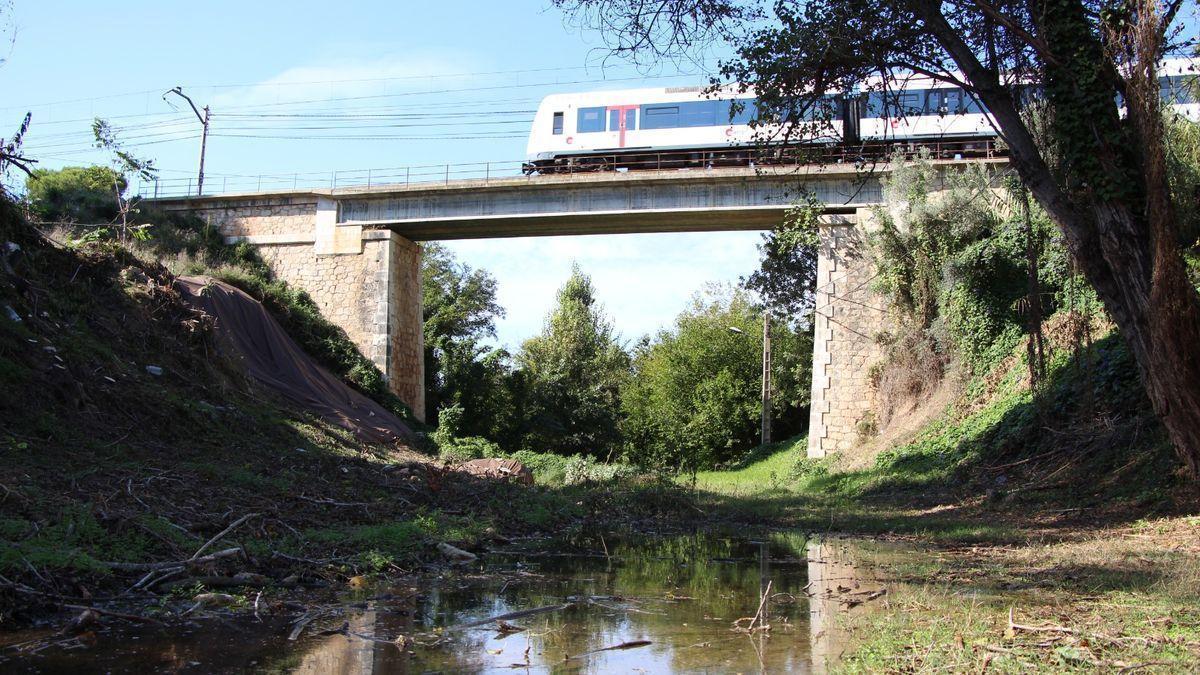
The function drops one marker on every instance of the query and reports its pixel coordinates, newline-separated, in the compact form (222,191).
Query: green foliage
(575,372)
(79,194)
(695,399)
(787,274)
(1183,175)
(454,448)
(767,468)
(72,539)
(953,261)
(460,311)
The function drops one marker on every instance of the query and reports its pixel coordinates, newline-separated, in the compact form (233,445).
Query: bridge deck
(610,202)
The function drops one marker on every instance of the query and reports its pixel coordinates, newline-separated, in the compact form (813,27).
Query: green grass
(771,467)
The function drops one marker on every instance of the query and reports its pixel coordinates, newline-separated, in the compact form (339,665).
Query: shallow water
(638,605)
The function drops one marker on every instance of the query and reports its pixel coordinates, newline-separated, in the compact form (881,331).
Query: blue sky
(463,77)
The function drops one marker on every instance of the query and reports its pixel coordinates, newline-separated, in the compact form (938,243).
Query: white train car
(648,128)
(678,127)
(923,110)
(1178,86)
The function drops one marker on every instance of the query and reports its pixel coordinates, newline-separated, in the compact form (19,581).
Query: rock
(12,314)
(154,370)
(133,275)
(84,620)
(251,579)
(456,554)
(213,599)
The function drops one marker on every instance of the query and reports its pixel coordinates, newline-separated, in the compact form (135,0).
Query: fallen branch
(232,526)
(632,644)
(117,615)
(511,615)
(145,567)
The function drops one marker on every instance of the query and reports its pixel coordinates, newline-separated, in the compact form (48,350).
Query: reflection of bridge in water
(354,251)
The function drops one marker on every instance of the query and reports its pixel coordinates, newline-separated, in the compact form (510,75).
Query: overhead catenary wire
(282,84)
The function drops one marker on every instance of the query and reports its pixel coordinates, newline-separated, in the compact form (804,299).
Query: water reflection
(671,603)
(638,605)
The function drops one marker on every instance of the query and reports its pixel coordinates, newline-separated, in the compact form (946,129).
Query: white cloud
(347,77)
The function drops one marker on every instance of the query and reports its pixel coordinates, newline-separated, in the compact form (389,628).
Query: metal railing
(772,156)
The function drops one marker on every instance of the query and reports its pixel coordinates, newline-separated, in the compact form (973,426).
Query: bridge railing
(486,172)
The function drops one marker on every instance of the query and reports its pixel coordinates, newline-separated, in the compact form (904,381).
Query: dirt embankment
(138,463)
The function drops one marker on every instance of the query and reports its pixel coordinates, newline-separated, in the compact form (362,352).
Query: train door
(621,119)
(852,106)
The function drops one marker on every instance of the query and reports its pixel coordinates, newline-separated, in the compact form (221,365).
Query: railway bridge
(356,252)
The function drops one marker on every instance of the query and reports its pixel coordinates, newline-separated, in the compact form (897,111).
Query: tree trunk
(1125,248)
(1150,298)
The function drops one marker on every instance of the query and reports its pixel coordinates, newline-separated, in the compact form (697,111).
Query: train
(686,127)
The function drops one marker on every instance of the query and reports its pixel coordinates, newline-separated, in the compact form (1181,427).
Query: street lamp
(766,375)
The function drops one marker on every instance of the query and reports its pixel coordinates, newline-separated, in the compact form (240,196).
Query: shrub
(78,194)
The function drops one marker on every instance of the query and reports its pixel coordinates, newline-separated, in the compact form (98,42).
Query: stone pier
(848,315)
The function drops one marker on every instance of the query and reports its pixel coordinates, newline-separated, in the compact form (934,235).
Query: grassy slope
(1074,512)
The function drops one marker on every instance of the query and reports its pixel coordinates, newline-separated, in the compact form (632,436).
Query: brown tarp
(248,334)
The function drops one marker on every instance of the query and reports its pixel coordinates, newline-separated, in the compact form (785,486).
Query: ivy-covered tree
(574,372)
(1100,175)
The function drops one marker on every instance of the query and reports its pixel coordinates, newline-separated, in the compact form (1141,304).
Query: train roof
(1169,66)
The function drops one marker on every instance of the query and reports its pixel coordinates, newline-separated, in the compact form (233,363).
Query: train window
(940,102)
(908,103)
(748,111)
(1177,90)
(698,114)
(824,109)
(660,116)
(590,119)
(614,120)
(558,124)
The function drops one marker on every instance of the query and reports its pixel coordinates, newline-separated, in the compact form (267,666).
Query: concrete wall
(365,281)
(847,318)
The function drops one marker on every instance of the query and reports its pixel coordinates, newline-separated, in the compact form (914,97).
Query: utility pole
(766,379)
(203,134)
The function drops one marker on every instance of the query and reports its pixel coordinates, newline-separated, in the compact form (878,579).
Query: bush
(77,194)
(453,448)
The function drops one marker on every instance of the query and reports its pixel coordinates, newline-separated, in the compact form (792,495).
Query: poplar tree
(575,371)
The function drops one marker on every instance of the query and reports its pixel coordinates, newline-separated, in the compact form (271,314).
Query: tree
(575,372)
(80,194)
(460,312)
(787,274)
(123,163)
(694,400)
(1100,176)
(10,154)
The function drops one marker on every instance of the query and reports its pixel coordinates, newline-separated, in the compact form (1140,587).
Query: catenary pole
(178,91)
